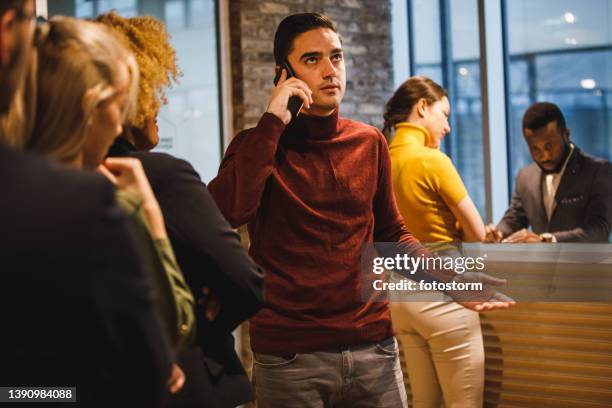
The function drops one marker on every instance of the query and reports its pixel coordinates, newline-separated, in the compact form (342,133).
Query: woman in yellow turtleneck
(442,341)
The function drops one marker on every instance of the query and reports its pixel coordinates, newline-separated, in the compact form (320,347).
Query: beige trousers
(444,353)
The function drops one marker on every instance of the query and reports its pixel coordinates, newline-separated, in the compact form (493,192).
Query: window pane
(561,52)
(464,143)
(426,21)
(189,125)
(176,16)
(426,42)
(126,8)
(466,138)
(84,9)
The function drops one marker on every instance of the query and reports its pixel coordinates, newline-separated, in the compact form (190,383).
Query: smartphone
(295,102)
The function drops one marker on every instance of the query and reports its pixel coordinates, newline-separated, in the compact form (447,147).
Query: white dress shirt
(551,184)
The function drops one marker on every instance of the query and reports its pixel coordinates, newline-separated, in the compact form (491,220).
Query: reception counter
(554,347)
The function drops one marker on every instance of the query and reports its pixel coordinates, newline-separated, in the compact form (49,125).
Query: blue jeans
(363,376)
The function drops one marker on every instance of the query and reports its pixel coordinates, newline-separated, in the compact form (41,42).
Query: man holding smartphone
(313,190)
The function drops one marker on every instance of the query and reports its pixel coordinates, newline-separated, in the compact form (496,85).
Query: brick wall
(365,26)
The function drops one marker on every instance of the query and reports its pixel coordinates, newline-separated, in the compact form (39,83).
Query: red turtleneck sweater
(312,195)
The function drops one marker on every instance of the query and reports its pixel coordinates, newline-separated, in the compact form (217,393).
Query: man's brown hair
(294,25)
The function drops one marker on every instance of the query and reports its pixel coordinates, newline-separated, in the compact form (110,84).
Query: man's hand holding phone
(283,91)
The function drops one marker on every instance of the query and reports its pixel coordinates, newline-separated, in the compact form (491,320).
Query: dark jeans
(364,376)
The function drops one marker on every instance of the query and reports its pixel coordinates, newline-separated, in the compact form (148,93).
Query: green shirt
(173,296)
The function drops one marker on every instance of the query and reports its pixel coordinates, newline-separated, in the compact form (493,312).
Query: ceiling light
(571,41)
(569,17)
(463,71)
(588,83)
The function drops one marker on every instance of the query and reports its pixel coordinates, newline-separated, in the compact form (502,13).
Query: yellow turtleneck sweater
(426,184)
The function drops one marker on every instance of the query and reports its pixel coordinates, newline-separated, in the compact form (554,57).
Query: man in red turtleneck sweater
(313,190)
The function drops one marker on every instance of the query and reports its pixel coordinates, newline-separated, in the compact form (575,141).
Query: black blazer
(75,306)
(210,254)
(582,210)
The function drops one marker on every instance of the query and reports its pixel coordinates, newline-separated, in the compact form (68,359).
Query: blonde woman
(86,84)
(442,341)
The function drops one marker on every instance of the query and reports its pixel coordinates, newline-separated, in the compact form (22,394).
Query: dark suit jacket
(210,255)
(75,306)
(582,210)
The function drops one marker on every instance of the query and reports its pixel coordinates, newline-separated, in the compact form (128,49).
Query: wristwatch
(547,237)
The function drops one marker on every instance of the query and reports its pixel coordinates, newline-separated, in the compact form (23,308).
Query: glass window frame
(493,69)
(224,92)
(491,45)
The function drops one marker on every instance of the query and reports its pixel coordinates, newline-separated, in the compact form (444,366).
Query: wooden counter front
(550,353)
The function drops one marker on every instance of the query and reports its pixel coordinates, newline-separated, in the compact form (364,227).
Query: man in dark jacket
(75,305)
(565,195)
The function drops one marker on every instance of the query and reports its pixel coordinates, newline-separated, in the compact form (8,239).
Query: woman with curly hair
(149,41)
(209,252)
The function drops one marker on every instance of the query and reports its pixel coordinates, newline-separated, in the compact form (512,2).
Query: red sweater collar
(315,127)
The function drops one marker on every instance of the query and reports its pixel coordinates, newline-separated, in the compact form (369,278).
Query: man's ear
(568,133)
(8,20)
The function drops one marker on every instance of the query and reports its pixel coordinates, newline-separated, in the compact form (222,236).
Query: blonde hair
(73,57)
(148,39)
